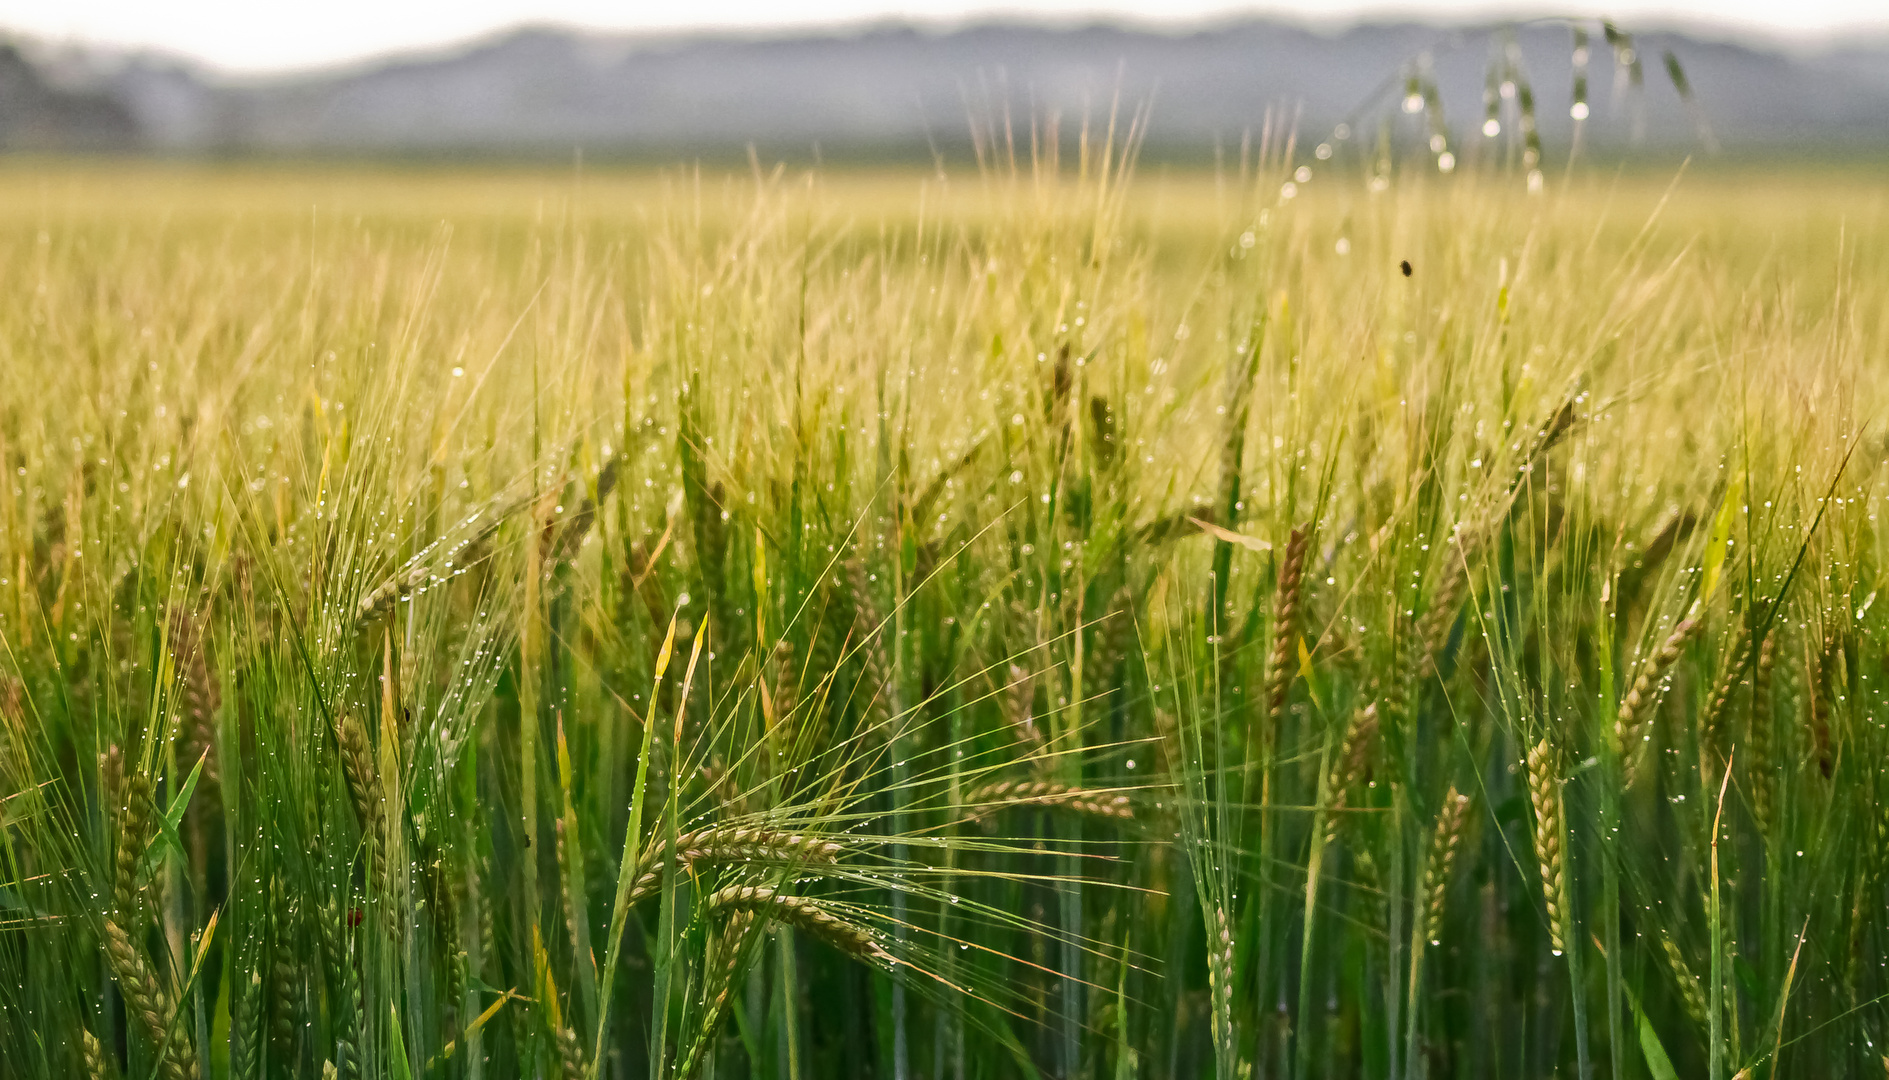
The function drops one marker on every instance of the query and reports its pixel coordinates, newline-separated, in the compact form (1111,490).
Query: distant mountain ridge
(549,91)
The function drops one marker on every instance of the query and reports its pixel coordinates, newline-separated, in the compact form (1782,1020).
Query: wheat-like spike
(802,732)
(1691,993)
(563,853)
(734,845)
(357,761)
(867,624)
(283,976)
(717,982)
(1759,762)
(146,1000)
(134,828)
(380,600)
(1281,666)
(578,525)
(1821,678)
(1439,616)
(245,1036)
(111,782)
(1113,643)
(98,1065)
(1712,723)
(1360,736)
(1407,661)
(1444,842)
(444,886)
(202,699)
(1370,890)
(784,699)
(1544,792)
(1630,722)
(802,914)
(1007,793)
(570,1054)
(350,1004)
(1019,695)
(1220,976)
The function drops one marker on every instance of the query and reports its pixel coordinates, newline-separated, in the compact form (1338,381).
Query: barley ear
(1544,793)
(1353,761)
(98,1065)
(1444,842)
(1630,723)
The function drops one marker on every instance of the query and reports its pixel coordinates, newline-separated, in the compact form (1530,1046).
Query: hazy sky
(246,35)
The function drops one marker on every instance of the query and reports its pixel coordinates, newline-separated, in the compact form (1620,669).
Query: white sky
(272,35)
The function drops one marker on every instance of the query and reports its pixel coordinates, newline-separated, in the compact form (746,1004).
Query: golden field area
(1081,619)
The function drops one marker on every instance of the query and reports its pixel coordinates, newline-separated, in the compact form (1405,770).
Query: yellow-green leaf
(1720,542)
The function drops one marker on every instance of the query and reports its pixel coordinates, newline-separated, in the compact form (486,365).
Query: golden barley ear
(734,846)
(802,914)
(1281,665)
(1630,723)
(1544,795)
(1005,794)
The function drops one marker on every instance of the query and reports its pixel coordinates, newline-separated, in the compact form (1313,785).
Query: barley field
(1061,619)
